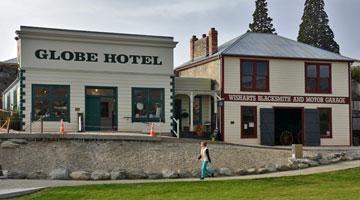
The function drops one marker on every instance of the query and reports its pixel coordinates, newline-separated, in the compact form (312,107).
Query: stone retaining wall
(153,156)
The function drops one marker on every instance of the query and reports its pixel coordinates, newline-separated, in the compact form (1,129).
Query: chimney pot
(203,35)
(213,41)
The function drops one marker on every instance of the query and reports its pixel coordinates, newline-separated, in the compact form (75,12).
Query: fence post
(8,125)
(41,124)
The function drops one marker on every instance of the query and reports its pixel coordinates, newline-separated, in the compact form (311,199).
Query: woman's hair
(203,143)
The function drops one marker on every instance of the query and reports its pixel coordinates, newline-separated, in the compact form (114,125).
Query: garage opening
(288,126)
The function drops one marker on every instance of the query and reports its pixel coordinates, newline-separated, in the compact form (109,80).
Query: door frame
(116,128)
(302,118)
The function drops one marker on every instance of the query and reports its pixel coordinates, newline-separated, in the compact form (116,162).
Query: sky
(177,18)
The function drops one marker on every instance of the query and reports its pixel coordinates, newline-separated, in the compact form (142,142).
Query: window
(248,122)
(325,122)
(15,100)
(356,105)
(254,75)
(51,101)
(317,78)
(148,105)
(8,103)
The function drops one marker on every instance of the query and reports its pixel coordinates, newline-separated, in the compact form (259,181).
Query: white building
(116,81)
(276,91)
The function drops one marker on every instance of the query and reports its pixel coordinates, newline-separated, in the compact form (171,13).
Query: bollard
(297,151)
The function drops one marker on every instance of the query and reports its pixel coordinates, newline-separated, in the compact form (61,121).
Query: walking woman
(205,158)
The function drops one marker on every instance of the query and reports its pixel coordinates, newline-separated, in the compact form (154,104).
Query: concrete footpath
(11,187)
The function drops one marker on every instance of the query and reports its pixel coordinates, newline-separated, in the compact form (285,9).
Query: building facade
(275,91)
(102,81)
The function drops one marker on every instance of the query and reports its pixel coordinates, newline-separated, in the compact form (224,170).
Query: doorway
(288,126)
(177,114)
(100,109)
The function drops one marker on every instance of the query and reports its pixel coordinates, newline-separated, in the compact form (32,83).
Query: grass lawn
(335,185)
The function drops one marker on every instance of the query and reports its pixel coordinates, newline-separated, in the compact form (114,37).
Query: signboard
(287,99)
(44,54)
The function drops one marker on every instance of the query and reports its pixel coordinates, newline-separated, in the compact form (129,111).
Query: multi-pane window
(318,78)
(254,75)
(51,101)
(8,103)
(148,105)
(15,106)
(325,122)
(248,122)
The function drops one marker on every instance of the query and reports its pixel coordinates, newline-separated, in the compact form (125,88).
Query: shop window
(51,101)
(318,78)
(248,122)
(148,105)
(254,75)
(325,122)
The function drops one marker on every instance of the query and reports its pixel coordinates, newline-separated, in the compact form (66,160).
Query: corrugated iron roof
(11,61)
(272,46)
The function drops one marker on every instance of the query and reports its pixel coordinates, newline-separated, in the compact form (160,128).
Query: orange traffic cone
(62,128)
(152,132)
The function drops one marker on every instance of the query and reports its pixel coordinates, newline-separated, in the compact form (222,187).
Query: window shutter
(312,127)
(267,126)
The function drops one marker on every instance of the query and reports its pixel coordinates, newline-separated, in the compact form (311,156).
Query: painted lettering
(80,56)
(122,58)
(157,61)
(67,55)
(53,55)
(41,54)
(286,99)
(146,60)
(92,57)
(134,59)
(110,58)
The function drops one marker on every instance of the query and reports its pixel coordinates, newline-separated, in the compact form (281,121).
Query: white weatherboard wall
(286,78)
(9,92)
(340,122)
(78,74)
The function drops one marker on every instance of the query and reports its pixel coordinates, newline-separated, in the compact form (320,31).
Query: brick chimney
(213,41)
(204,46)
(192,46)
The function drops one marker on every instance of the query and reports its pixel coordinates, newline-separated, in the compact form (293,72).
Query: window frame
(134,119)
(330,122)
(254,67)
(50,87)
(318,78)
(254,134)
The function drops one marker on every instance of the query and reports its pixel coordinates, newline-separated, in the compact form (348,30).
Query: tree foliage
(314,28)
(355,74)
(262,23)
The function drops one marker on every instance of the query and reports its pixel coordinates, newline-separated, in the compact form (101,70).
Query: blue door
(92,113)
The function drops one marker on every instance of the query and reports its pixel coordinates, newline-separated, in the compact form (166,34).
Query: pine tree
(314,28)
(262,23)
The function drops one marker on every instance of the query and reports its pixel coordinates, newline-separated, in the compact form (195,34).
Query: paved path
(11,185)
